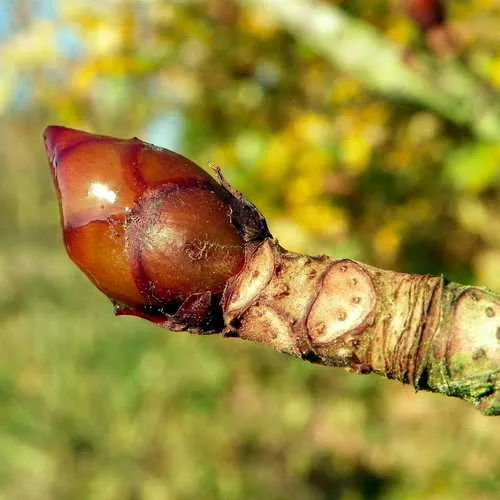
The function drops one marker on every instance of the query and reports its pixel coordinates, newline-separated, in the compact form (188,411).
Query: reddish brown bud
(150,228)
(428,14)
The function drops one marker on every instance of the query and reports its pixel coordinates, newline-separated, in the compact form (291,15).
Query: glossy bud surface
(150,228)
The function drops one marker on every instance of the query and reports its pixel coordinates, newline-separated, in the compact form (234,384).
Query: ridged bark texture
(420,330)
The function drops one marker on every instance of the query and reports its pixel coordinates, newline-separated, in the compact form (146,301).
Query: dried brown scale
(397,339)
(431,321)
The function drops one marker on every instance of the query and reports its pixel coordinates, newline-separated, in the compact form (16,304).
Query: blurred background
(392,160)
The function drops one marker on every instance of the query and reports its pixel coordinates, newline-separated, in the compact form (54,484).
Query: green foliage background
(103,408)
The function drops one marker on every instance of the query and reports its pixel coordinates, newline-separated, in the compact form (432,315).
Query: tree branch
(446,87)
(166,242)
(420,330)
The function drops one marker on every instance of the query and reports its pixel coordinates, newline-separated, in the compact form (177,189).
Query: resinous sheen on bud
(150,228)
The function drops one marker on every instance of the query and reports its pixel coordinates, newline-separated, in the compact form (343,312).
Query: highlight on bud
(151,229)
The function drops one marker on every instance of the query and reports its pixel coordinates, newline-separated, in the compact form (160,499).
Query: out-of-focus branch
(446,87)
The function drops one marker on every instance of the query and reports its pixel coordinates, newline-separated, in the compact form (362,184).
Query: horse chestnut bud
(428,14)
(152,230)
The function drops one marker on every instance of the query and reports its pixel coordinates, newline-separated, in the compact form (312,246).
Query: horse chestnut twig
(168,243)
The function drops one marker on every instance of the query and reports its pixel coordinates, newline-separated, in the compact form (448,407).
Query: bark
(421,330)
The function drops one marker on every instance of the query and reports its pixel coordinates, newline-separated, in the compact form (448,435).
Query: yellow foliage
(398,159)
(7,83)
(222,155)
(301,189)
(494,71)
(311,127)
(321,219)
(83,78)
(417,211)
(387,240)
(276,161)
(345,89)
(401,31)
(258,23)
(376,112)
(487,268)
(355,151)
(104,39)
(66,110)
(289,233)
(422,128)
(315,163)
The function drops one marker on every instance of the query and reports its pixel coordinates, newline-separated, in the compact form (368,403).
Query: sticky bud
(152,230)
(428,14)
